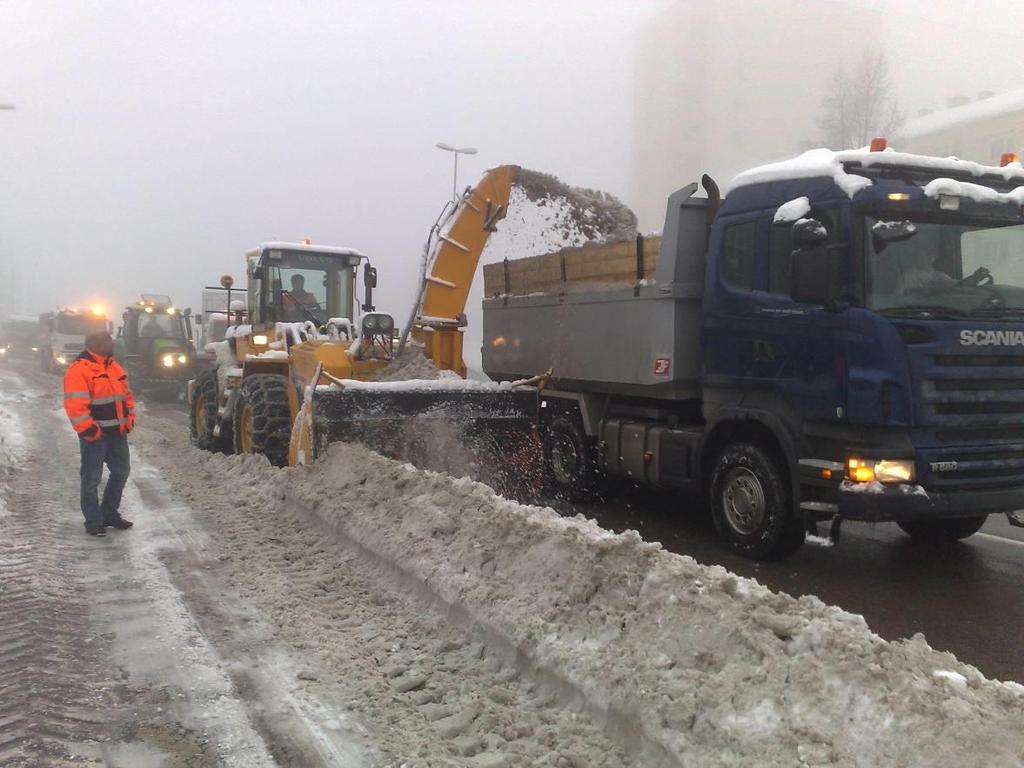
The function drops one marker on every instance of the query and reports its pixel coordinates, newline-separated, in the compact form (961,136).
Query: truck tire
(751,504)
(203,416)
(262,419)
(945,529)
(570,462)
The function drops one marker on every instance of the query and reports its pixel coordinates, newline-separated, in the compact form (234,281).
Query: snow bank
(696,665)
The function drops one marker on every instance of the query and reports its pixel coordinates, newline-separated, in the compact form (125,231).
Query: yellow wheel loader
(300,374)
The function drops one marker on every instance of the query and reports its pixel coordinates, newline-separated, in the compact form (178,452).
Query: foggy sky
(153,143)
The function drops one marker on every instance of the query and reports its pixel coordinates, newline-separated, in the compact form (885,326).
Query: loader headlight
(260,340)
(168,361)
(880,470)
(378,324)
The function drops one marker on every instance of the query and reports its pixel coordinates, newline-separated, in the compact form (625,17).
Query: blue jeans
(111,450)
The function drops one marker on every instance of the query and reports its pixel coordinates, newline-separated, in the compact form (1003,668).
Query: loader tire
(751,504)
(570,463)
(262,420)
(203,416)
(946,529)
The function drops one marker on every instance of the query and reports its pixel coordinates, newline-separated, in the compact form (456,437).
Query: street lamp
(455,174)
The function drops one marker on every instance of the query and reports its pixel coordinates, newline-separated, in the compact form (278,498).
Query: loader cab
(299,283)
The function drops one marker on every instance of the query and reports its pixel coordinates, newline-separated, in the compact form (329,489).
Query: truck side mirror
(369,283)
(811,276)
(199,318)
(808,232)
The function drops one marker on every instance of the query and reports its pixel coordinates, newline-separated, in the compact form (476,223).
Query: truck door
(798,351)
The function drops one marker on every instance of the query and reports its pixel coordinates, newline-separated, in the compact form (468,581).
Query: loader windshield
(311,286)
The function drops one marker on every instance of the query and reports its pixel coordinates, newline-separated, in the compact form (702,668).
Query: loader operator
(298,303)
(101,408)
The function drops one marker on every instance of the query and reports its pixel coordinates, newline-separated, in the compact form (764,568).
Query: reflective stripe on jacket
(96,394)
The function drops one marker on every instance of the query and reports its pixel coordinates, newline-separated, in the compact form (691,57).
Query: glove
(92,434)
(128,427)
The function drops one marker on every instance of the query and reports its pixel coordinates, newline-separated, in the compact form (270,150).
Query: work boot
(118,522)
(96,530)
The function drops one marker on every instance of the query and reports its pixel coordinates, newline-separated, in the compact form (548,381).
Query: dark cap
(97,338)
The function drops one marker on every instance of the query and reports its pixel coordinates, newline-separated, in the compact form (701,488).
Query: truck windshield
(944,267)
(80,325)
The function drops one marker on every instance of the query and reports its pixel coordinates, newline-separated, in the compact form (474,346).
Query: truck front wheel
(751,504)
(947,529)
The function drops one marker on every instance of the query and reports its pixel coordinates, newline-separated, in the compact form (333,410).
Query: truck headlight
(3,351)
(880,470)
(260,340)
(378,324)
(182,359)
(62,359)
(168,361)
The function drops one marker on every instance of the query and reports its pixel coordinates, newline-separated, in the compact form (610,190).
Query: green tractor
(155,345)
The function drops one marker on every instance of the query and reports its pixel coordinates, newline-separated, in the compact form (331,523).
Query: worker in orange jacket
(102,411)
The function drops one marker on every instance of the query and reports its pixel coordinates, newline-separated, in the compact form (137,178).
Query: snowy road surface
(365,614)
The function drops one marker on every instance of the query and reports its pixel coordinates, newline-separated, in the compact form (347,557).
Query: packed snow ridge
(688,664)
(826,163)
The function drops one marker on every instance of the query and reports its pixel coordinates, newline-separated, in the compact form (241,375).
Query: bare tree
(860,104)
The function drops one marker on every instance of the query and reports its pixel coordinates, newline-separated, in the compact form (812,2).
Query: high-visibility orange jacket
(97,398)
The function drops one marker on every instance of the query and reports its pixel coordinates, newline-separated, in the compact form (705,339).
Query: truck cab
(872,313)
(63,335)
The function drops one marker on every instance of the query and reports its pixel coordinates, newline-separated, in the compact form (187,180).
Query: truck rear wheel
(945,529)
(570,462)
(262,420)
(751,504)
(203,416)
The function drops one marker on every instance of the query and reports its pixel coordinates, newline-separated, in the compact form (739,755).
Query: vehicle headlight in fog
(62,359)
(35,349)
(3,350)
(880,470)
(168,361)
(260,340)
(378,324)
(182,359)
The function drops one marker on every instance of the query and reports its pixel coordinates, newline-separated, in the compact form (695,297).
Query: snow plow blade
(485,433)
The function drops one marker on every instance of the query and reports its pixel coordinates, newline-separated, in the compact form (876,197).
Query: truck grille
(975,467)
(963,391)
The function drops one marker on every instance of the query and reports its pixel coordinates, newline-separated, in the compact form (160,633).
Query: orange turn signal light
(1007,158)
(879,144)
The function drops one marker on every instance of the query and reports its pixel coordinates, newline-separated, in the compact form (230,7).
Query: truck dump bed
(620,317)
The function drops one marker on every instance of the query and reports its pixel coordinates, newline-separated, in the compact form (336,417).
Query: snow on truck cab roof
(863,174)
(304,246)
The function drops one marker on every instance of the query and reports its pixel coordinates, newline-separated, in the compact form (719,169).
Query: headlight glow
(881,470)
(182,359)
(168,361)
(62,359)
(260,340)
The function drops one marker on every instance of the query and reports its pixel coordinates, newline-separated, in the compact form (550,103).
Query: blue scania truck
(840,337)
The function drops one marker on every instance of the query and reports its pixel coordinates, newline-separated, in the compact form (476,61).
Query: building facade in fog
(725,84)
(980,130)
